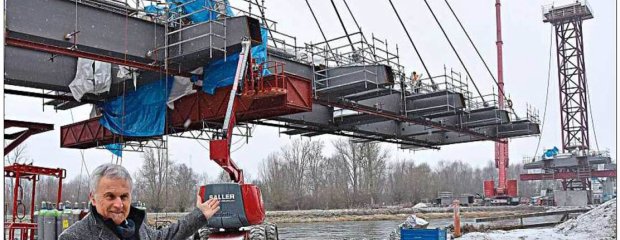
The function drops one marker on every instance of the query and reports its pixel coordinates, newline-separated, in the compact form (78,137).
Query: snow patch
(597,224)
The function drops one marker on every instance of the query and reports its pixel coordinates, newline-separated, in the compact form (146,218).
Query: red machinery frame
(19,137)
(566,175)
(32,173)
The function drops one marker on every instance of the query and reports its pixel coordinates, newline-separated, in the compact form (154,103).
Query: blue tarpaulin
(115,148)
(221,73)
(141,113)
(154,9)
(202,10)
(550,153)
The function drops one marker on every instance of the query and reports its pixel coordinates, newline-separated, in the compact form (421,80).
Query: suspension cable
(542,126)
(414,47)
(321,30)
(262,15)
(342,24)
(455,52)
(481,58)
(372,50)
(591,116)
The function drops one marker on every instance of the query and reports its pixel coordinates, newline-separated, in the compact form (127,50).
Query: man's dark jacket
(94,228)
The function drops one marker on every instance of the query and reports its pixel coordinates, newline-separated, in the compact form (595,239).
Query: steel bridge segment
(336,82)
(344,133)
(435,104)
(292,66)
(39,69)
(99,31)
(445,107)
(391,116)
(36,32)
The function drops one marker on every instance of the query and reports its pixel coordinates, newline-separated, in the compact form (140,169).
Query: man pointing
(112,217)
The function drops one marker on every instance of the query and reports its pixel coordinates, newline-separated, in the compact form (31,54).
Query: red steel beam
(15,42)
(565,175)
(32,129)
(29,170)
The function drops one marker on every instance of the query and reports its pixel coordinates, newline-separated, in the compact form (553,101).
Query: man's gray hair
(109,170)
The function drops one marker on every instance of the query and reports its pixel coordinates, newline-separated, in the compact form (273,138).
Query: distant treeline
(298,176)
(301,176)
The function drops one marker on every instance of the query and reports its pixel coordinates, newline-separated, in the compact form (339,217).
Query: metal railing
(581,8)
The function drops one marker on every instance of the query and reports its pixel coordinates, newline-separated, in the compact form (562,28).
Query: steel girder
(43,34)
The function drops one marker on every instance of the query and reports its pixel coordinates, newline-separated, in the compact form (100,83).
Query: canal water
(373,229)
(349,229)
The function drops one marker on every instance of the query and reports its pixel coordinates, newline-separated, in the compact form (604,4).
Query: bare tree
(373,169)
(18,155)
(349,154)
(274,176)
(153,176)
(222,177)
(298,157)
(185,187)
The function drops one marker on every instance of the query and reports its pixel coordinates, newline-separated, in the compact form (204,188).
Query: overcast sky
(526,55)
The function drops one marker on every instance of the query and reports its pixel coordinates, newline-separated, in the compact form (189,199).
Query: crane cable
(542,125)
(591,116)
(262,15)
(481,58)
(455,52)
(414,47)
(322,33)
(372,50)
(342,24)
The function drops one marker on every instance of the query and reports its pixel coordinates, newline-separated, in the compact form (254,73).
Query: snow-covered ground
(597,224)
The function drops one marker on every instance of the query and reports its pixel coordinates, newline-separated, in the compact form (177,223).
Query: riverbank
(390,213)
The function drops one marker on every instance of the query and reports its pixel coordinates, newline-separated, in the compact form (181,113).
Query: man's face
(112,199)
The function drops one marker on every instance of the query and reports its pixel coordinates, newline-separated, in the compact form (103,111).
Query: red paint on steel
(219,151)
(253,204)
(489,188)
(83,54)
(501,149)
(294,96)
(28,172)
(201,193)
(31,129)
(512,188)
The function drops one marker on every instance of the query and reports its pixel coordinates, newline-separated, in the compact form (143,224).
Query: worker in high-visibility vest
(415,84)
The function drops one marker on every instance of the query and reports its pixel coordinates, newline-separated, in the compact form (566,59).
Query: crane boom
(220,148)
